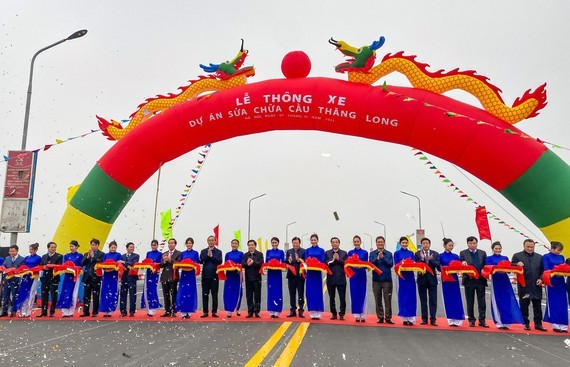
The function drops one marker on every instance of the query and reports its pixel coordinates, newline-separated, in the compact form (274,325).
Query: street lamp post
(383,225)
(287,235)
(303,237)
(419,206)
(75,35)
(81,33)
(369,236)
(249,215)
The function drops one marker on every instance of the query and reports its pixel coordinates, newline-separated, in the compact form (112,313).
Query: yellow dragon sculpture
(226,75)
(360,69)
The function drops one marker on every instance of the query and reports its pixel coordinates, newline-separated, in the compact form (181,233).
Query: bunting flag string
(453,115)
(444,179)
(58,142)
(203,155)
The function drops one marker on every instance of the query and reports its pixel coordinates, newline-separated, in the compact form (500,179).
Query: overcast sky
(137,49)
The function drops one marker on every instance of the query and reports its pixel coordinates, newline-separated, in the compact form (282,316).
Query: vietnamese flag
(482,223)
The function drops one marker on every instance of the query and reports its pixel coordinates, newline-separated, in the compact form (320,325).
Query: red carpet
(370,321)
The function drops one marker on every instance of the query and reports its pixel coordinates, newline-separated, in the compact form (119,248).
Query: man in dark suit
(477,258)
(251,262)
(427,283)
(211,257)
(129,281)
(49,282)
(532,292)
(91,282)
(11,285)
(296,283)
(382,283)
(336,282)
(169,278)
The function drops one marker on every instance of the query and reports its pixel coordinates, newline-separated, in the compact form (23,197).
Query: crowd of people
(110,279)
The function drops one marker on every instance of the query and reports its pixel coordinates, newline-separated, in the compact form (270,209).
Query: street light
(249,214)
(383,225)
(287,235)
(370,236)
(75,35)
(303,237)
(81,33)
(419,206)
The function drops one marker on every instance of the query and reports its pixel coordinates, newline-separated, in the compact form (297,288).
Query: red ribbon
(111,265)
(561,270)
(186,265)
(410,265)
(355,262)
(67,267)
(504,267)
(227,266)
(147,264)
(312,263)
(457,267)
(274,264)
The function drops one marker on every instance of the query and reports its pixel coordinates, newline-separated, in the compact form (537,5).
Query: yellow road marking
(288,354)
(268,346)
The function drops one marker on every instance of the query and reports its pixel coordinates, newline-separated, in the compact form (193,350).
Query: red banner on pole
(216,233)
(482,223)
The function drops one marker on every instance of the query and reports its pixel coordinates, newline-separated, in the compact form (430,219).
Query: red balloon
(296,64)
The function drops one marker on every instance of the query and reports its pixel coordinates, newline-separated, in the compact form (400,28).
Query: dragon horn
(332,41)
(241,49)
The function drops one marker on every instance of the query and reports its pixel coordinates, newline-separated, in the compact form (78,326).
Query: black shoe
(256,316)
(132,314)
(503,328)
(166,314)
(93,315)
(4,314)
(407,323)
(238,313)
(526,327)
(52,315)
(205,314)
(301,314)
(389,321)
(215,315)
(453,325)
(424,322)
(186,316)
(68,316)
(380,321)
(274,316)
(483,324)
(433,323)
(341,317)
(333,317)
(42,315)
(471,323)
(84,315)
(123,314)
(249,316)
(540,328)
(292,314)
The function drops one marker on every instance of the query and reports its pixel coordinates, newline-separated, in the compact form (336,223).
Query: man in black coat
(532,292)
(50,283)
(296,283)
(129,281)
(169,278)
(477,258)
(427,283)
(210,257)
(91,282)
(252,261)
(336,282)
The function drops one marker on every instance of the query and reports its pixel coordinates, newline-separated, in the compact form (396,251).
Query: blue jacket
(385,264)
(8,263)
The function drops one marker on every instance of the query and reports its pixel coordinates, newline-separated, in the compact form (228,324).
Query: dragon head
(232,67)
(358,59)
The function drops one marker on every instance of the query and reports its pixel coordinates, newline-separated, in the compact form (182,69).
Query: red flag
(482,223)
(217,233)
